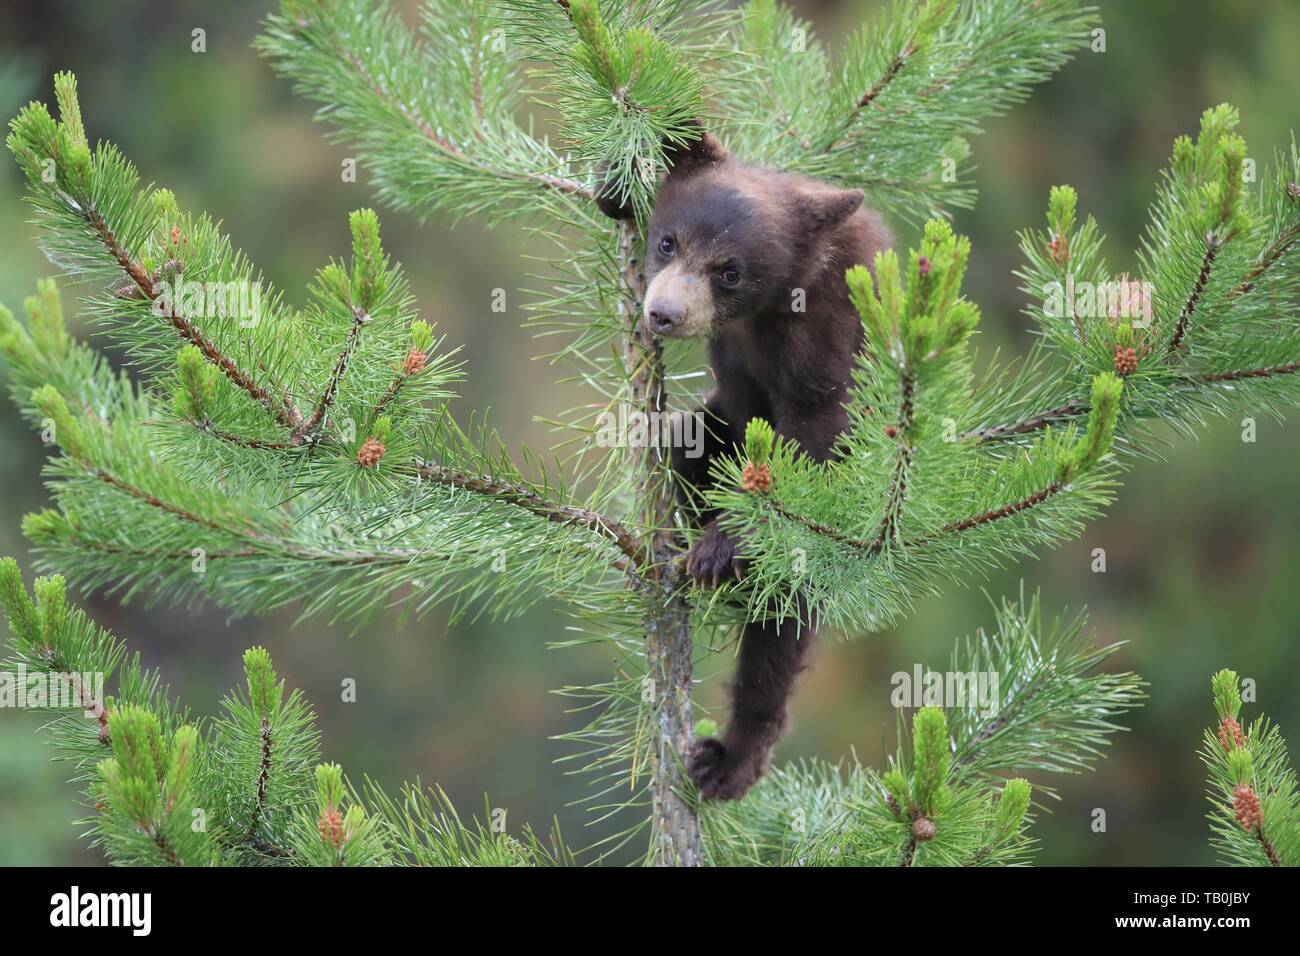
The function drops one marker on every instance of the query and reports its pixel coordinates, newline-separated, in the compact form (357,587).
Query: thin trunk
(675,836)
(676,827)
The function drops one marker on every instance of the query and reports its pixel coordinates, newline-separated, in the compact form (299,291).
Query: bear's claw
(714,558)
(722,773)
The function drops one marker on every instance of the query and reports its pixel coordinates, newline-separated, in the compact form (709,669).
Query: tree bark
(675,830)
(675,826)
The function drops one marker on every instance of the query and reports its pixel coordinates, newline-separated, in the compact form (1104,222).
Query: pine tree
(1252,788)
(270,453)
(163,788)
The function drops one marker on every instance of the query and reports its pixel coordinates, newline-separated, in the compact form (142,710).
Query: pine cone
(1126,361)
(923,829)
(756,477)
(371,453)
(1293,190)
(1230,733)
(414,362)
(330,825)
(1246,805)
(923,266)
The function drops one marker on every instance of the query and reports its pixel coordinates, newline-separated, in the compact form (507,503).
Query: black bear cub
(754,259)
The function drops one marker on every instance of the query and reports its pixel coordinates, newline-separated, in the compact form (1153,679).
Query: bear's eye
(730,275)
(666,245)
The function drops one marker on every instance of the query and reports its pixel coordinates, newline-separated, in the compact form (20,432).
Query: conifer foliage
(163,787)
(1255,815)
(269,452)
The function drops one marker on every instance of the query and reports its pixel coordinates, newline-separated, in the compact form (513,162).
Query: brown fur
(778,234)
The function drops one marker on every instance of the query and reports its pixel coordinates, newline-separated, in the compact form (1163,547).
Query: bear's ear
(823,209)
(696,155)
(683,159)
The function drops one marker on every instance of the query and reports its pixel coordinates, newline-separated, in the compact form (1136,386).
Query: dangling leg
(771,657)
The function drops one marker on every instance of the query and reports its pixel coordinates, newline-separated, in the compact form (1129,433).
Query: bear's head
(728,241)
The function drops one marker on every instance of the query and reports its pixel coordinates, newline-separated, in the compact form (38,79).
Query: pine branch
(928,23)
(151,500)
(870,548)
(436,139)
(903,453)
(1203,277)
(1053,712)
(251,775)
(943,799)
(389,102)
(527,499)
(1253,794)
(263,775)
(285,414)
(1075,410)
(1278,248)
(909,87)
(255,443)
(248,467)
(1006,511)
(495,489)
(1269,850)
(1238,375)
(1029,425)
(307,429)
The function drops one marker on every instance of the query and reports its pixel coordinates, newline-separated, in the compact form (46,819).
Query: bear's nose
(665,316)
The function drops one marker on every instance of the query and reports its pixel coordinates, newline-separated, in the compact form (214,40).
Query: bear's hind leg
(770,659)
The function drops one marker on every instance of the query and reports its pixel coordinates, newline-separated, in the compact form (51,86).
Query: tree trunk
(675,827)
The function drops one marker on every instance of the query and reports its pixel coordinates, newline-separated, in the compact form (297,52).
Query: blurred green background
(1203,551)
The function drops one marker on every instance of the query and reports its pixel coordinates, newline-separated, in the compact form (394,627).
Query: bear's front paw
(714,558)
(721,772)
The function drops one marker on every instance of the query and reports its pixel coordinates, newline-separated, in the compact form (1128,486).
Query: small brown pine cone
(330,825)
(415,360)
(1230,733)
(923,829)
(756,477)
(104,737)
(1126,361)
(1246,805)
(371,453)
(1293,190)
(923,266)
(891,431)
